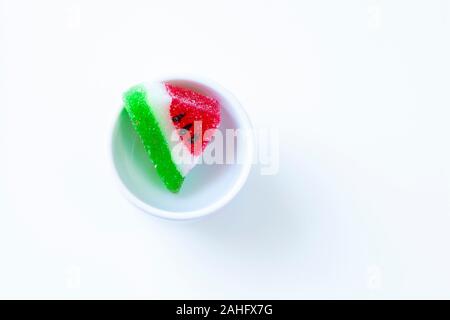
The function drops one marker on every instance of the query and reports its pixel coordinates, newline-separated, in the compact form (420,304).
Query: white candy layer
(159,100)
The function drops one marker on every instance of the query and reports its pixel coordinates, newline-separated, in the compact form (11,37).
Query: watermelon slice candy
(157,110)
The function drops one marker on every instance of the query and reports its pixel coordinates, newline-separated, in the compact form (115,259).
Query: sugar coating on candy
(188,108)
(147,126)
(168,117)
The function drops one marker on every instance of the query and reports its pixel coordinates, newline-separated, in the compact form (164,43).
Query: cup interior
(207,187)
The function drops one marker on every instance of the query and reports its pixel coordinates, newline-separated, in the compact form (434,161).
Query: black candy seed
(178,117)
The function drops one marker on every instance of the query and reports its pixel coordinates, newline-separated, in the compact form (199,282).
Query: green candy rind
(146,125)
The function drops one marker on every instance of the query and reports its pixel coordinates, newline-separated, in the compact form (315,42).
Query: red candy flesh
(189,110)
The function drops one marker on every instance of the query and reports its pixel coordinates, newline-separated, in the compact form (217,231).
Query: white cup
(207,187)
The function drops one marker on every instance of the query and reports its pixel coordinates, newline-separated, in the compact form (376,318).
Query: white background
(359,91)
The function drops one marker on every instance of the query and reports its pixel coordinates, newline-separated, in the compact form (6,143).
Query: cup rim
(229,194)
